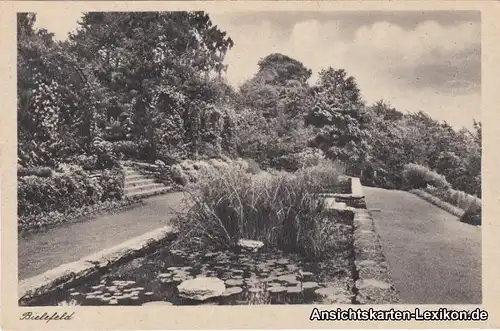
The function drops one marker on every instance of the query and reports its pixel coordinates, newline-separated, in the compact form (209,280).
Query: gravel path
(41,252)
(433,258)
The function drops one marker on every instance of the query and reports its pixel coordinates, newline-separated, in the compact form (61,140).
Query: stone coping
(356,191)
(69,273)
(373,284)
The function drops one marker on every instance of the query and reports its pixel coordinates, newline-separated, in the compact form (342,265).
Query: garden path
(43,251)
(433,258)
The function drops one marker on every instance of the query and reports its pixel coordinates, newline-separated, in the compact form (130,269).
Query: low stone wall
(70,274)
(372,282)
(355,199)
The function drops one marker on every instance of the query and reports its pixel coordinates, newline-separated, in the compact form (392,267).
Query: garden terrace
(151,272)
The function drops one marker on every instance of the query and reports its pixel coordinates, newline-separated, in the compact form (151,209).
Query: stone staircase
(140,186)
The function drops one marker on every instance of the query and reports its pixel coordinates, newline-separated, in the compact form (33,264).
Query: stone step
(152,192)
(134,177)
(142,188)
(138,182)
(130,172)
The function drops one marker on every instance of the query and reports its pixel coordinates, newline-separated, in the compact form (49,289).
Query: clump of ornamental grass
(285,211)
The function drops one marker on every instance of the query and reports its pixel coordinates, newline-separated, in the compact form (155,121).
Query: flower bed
(46,220)
(471,216)
(64,194)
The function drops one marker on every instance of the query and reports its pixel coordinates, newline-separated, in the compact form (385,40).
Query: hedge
(416,176)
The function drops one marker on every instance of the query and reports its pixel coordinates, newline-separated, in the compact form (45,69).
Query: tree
(148,59)
(55,97)
(274,102)
(338,114)
(279,86)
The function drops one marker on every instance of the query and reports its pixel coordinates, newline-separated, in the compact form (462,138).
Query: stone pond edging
(355,199)
(67,275)
(372,282)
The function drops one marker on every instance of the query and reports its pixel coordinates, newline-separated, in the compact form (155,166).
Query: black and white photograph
(223,158)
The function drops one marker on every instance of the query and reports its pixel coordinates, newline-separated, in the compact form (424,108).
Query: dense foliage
(151,86)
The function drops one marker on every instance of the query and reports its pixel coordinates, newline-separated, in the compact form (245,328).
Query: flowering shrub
(66,190)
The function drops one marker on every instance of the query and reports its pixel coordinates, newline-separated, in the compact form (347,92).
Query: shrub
(295,161)
(69,188)
(416,176)
(169,156)
(126,148)
(105,156)
(253,166)
(459,199)
(284,212)
(87,162)
(472,215)
(438,202)
(112,183)
(34,171)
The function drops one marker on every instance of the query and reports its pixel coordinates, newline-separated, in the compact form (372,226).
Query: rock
(201,288)
(290,279)
(250,245)
(306,275)
(308,285)
(160,163)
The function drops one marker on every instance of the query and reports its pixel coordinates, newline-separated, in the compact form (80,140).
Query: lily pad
(277,289)
(234,282)
(232,290)
(309,285)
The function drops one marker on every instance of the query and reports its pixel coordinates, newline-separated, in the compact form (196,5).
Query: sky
(429,61)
